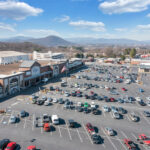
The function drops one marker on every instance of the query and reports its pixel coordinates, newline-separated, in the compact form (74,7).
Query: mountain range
(53,41)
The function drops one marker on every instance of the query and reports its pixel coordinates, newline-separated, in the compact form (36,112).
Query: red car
(46,127)
(31,147)
(112,99)
(121,77)
(118,81)
(123,89)
(11,146)
(130,145)
(90,128)
(143,139)
(91,92)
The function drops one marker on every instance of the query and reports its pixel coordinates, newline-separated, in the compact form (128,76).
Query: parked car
(109,131)
(4,143)
(55,119)
(13,119)
(130,144)
(23,113)
(121,110)
(146,113)
(46,118)
(96,138)
(115,115)
(143,139)
(133,117)
(46,127)
(31,147)
(106,108)
(71,123)
(11,146)
(90,128)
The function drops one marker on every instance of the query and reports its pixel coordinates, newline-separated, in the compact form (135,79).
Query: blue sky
(76,18)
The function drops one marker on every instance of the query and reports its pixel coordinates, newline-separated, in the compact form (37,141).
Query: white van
(55,119)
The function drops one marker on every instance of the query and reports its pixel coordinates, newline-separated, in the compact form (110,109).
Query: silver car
(13,119)
(115,115)
(109,131)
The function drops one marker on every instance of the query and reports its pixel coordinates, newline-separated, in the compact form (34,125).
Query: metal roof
(27,64)
(144,66)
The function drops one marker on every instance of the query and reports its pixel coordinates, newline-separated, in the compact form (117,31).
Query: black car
(86,110)
(99,98)
(51,88)
(46,118)
(71,123)
(95,111)
(86,96)
(79,109)
(142,103)
(60,101)
(92,97)
(146,113)
(79,95)
(4,143)
(23,113)
(73,94)
(122,110)
(40,102)
(96,139)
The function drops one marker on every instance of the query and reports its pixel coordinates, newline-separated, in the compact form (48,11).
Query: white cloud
(79,0)
(120,29)
(17,10)
(144,27)
(6,27)
(64,18)
(148,15)
(94,26)
(40,32)
(124,6)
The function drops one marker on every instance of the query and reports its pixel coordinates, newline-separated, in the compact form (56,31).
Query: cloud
(124,6)
(120,29)
(64,18)
(94,26)
(6,27)
(17,10)
(79,0)
(148,15)
(40,32)
(144,27)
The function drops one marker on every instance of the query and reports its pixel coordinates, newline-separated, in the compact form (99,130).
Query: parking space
(80,137)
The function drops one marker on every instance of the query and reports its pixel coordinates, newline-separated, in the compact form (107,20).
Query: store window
(13,82)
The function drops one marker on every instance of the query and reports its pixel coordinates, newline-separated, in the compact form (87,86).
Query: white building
(49,55)
(8,57)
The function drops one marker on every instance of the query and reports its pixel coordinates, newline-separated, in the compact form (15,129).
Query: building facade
(30,73)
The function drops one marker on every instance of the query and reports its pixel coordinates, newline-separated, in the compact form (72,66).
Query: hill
(26,47)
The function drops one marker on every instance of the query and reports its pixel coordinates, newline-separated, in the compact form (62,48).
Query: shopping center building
(18,76)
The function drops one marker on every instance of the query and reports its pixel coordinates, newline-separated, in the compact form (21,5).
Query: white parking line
(15,103)
(59,131)
(41,129)
(128,117)
(87,133)
(25,121)
(124,134)
(33,121)
(109,139)
(69,132)
(2,119)
(79,136)
(121,143)
(104,113)
(145,118)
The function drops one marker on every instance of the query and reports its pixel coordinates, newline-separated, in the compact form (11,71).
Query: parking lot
(63,137)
